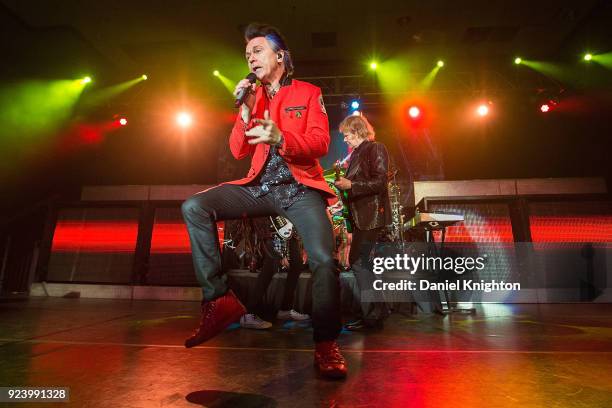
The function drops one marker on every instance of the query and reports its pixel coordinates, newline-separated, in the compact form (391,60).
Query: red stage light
(544,107)
(123,121)
(95,236)
(414,112)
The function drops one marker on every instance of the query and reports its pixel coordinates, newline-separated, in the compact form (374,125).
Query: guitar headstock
(337,169)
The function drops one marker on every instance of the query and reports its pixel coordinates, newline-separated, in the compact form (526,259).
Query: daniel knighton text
(459,265)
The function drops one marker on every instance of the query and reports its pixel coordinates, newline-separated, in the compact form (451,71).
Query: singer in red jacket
(283,126)
(296,108)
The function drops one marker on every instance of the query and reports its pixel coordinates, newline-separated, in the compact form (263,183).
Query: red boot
(329,361)
(216,316)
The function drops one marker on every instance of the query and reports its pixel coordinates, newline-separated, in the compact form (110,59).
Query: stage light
(356,113)
(414,112)
(123,121)
(440,63)
(355,105)
(216,73)
(518,60)
(549,105)
(86,80)
(184,119)
(482,110)
(144,77)
(373,65)
(588,57)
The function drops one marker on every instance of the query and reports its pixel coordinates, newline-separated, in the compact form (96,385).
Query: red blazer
(298,111)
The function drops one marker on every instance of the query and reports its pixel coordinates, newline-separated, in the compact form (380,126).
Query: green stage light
(588,57)
(229,84)
(86,80)
(428,80)
(603,59)
(37,108)
(393,74)
(373,65)
(518,60)
(144,77)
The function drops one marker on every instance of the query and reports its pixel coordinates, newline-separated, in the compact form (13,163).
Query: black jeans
(271,265)
(373,306)
(308,215)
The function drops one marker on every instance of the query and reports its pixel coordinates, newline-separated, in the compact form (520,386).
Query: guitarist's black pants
(271,265)
(373,307)
(308,214)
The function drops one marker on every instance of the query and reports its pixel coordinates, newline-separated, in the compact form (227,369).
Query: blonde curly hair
(359,125)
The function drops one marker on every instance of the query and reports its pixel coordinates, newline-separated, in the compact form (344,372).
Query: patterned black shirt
(276,178)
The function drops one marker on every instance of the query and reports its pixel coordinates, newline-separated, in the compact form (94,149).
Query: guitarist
(369,209)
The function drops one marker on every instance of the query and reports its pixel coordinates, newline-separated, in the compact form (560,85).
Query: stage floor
(117,353)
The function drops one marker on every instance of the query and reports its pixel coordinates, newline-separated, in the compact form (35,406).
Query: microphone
(244,92)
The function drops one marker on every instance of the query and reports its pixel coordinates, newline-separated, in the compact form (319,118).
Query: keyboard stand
(451,307)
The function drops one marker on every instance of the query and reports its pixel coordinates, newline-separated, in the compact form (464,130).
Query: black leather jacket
(368,197)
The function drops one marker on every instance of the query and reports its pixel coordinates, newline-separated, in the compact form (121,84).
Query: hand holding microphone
(244,92)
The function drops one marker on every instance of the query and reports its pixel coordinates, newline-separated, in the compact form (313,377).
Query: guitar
(282,226)
(343,196)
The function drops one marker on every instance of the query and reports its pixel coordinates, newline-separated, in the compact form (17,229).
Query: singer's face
(262,59)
